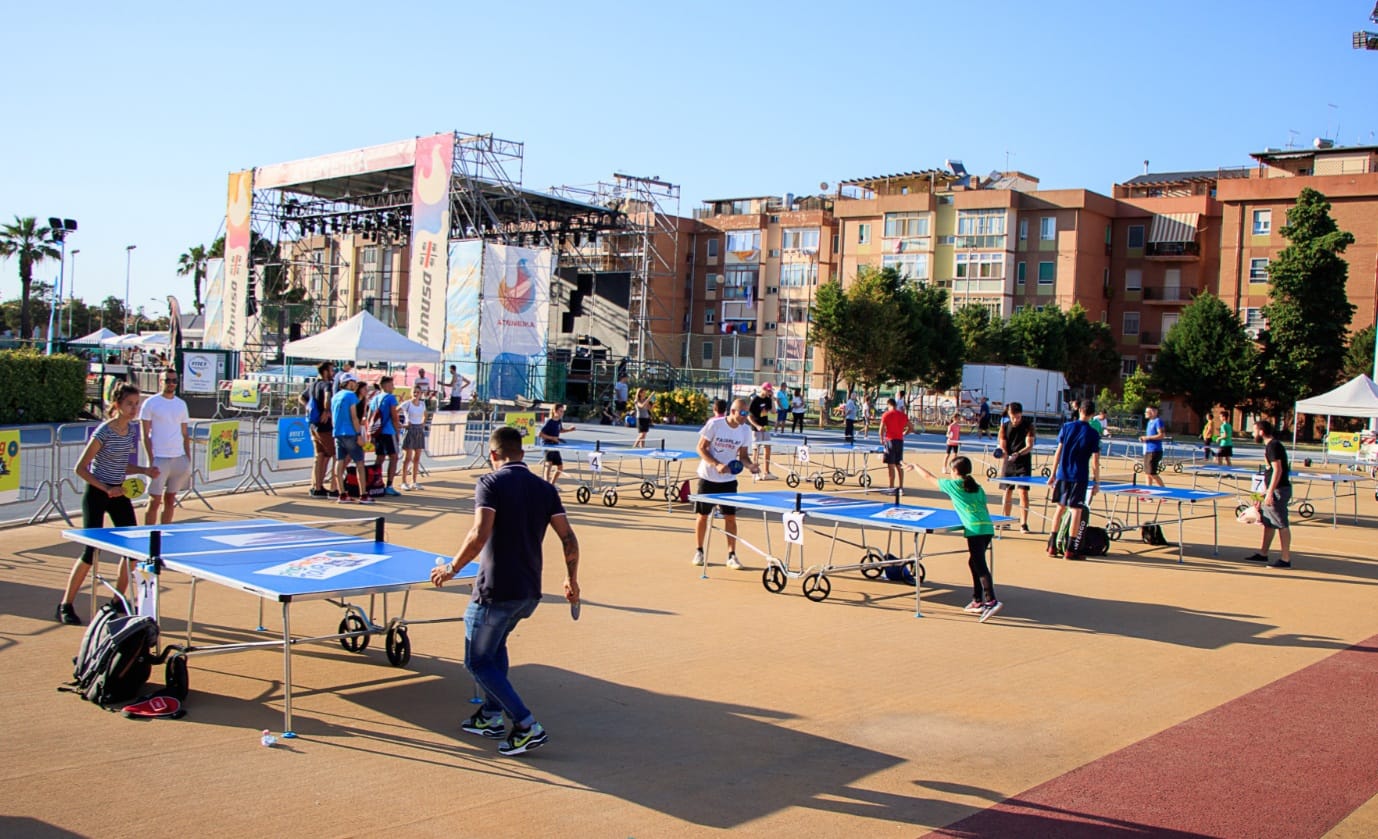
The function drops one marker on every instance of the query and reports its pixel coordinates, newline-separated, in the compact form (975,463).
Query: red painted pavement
(1289,760)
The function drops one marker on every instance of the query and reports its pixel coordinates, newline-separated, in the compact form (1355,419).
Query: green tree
(1359,356)
(1037,339)
(111,314)
(983,337)
(934,343)
(193,262)
(32,243)
(1093,360)
(1138,393)
(1309,311)
(1206,358)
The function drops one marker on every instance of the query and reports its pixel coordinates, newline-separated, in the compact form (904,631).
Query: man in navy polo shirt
(512,508)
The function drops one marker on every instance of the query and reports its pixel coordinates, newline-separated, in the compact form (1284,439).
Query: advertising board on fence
(244,393)
(222,450)
(525,422)
(198,372)
(9,466)
(294,439)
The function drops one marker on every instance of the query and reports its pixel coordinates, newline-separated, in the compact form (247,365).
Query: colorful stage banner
(222,450)
(429,237)
(514,318)
(213,324)
(294,439)
(234,326)
(9,466)
(461,308)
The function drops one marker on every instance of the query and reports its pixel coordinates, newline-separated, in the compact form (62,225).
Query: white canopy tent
(118,342)
(1357,397)
(362,338)
(97,337)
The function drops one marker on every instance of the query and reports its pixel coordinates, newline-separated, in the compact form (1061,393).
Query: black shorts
(894,453)
(643,424)
(984,424)
(385,445)
(1152,462)
(555,458)
(715,488)
(952,449)
(1225,451)
(1070,493)
(620,406)
(1019,467)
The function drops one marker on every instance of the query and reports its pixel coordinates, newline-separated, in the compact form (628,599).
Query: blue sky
(127,117)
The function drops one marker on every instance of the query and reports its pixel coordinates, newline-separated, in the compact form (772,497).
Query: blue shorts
(349,448)
(1070,493)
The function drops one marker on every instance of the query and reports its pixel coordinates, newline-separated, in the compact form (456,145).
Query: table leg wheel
(839,477)
(773,578)
(1114,530)
(990,472)
(398,646)
(1046,472)
(1306,509)
(819,483)
(791,480)
(817,588)
(1138,468)
(1177,467)
(583,495)
(354,624)
(870,564)
(647,490)
(609,499)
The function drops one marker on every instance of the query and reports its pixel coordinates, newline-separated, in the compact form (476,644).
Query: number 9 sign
(794,527)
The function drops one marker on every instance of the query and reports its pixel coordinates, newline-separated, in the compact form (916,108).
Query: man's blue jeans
(486,627)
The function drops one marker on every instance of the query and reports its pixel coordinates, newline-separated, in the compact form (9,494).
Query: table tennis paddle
(574,610)
(735,467)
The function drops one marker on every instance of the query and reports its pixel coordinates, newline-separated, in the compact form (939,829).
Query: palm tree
(32,243)
(194,262)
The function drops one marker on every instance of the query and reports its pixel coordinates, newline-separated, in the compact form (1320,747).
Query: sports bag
(117,654)
(1094,541)
(1152,534)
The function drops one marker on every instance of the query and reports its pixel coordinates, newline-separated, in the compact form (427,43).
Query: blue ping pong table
(603,470)
(857,510)
(283,562)
(1342,485)
(1116,522)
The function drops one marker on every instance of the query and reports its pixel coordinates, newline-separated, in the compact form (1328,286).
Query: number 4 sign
(794,527)
(595,462)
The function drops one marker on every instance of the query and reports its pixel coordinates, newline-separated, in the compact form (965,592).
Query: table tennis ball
(267,738)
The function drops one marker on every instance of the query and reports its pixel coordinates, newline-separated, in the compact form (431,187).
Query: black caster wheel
(1114,530)
(864,480)
(990,472)
(1138,468)
(817,588)
(839,477)
(648,490)
(1239,511)
(609,499)
(773,578)
(1177,467)
(870,564)
(791,480)
(354,643)
(819,483)
(583,495)
(1306,509)
(398,646)
(1046,472)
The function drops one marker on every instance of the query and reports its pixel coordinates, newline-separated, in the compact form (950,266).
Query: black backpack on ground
(116,656)
(1093,541)
(1152,534)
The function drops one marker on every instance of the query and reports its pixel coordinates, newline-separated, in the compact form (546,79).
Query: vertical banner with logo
(199,371)
(430,234)
(514,319)
(222,450)
(461,310)
(234,326)
(9,466)
(294,439)
(213,297)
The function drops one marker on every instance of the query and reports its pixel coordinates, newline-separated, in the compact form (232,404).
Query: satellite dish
(823,186)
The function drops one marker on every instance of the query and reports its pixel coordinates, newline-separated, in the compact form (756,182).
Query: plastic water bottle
(267,739)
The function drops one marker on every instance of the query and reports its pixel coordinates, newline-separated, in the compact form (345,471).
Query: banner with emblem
(513,319)
(430,235)
(294,439)
(222,450)
(234,315)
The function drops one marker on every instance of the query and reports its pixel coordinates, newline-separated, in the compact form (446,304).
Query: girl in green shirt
(969,502)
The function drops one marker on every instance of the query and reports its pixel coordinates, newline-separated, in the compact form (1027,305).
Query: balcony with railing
(1172,251)
(964,287)
(1169,296)
(1148,339)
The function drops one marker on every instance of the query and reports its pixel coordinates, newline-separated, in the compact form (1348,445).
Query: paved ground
(1123,696)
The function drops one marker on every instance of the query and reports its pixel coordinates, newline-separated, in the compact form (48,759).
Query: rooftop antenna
(1145,167)
(1336,135)
(1292,138)
(1008,155)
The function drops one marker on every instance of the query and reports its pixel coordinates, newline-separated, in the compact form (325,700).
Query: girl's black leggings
(95,504)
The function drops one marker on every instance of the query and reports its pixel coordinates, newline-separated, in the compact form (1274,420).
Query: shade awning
(1173,227)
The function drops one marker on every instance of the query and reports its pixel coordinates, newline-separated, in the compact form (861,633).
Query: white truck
(1041,392)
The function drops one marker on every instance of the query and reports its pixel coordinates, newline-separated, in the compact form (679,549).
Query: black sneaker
(1279,563)
(521,741)
(66,614)
(1256,558)
(484,725)
(319,493)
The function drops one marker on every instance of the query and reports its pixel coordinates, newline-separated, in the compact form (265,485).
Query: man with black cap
(759,411)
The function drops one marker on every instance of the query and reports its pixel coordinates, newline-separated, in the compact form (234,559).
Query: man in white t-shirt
(347,367)
(163,420)
(723,441)
(421,383)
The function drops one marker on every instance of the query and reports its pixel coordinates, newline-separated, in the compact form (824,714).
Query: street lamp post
(128,256)
(60,228)
(72,293)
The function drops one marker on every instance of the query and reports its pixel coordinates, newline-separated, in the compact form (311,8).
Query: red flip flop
(154,706)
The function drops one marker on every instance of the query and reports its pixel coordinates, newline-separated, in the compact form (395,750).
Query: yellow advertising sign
(244,393)
(222,450)
(9,466)
(526,423)
(1342,443)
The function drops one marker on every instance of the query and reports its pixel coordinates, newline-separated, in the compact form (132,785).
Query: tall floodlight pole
(60,228)
(128,256)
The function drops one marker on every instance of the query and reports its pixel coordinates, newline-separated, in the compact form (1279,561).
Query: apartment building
(758,262)
(1255,209)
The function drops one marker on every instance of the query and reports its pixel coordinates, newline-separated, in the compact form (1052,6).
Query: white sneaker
(698,557)
(733,563)
(406,487)
(417,486)
(769,477)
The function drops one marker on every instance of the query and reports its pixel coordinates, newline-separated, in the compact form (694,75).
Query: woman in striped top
(103,466)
